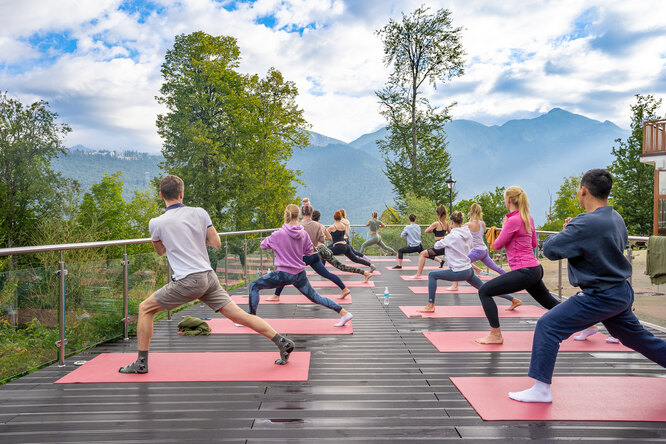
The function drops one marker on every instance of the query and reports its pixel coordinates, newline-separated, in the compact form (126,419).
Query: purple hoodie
(290,244)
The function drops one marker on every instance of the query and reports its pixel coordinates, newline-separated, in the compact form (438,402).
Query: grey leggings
(375,239)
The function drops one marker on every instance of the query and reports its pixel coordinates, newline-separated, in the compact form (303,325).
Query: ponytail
(290,213)
(518,197)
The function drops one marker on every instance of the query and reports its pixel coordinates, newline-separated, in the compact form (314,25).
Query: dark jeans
(611,307)
(314,261)
(346,250)
(528,278)
(403,250)
(276,279)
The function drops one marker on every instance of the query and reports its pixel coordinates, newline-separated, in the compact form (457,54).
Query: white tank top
(477,237)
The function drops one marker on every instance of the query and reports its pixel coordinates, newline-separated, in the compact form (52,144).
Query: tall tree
(424,49)
(633,188)
(228,135)
(29,190)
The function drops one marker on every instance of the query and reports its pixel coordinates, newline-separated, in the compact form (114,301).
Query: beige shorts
(203,286)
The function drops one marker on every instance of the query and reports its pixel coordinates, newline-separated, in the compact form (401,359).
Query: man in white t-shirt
(182,233)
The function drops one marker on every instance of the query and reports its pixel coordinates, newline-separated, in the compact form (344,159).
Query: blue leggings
(454,276)
(611,307)
(276,279)
(314,261)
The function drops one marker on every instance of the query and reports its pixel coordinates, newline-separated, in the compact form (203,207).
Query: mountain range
(533,153)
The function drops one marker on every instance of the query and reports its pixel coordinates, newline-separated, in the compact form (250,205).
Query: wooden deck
(384,383)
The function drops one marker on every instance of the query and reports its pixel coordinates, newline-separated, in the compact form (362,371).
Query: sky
(97,62)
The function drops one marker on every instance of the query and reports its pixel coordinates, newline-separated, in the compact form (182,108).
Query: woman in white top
(457,246)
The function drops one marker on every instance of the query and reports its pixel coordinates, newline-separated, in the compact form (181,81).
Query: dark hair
(412,217)
(316,215)
(457,217)
(337,216)
(306,210)
(598,182)
(171,186)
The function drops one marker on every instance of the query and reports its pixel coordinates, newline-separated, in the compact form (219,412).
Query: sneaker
(397,267)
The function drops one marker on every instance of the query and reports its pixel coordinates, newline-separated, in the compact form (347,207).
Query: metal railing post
(226,264)
(62,272)
(559,278)
(125,264)
(245,254)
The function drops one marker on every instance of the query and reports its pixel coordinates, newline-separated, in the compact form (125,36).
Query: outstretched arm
(212,238)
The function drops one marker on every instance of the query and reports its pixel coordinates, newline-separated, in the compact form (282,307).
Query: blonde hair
(374,215)
(476,212)
(517,196)
(441,213)
(290,213)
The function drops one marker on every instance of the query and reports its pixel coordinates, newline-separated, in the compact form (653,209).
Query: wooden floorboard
(384,384)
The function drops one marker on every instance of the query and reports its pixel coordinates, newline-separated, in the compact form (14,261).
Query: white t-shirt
(182,231)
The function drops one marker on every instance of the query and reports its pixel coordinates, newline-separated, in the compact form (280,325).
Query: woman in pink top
(518,238)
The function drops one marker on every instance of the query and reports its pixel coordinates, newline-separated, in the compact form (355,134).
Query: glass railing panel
(256,259)
(649,298)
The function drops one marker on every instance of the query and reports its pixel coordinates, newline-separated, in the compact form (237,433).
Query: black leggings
(346,250)
(528,278)
(403,250)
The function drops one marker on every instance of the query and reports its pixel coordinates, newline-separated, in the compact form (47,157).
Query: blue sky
(97,62)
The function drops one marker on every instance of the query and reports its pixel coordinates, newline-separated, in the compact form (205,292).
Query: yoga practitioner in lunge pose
(456,245)
(340,245)
(182,233)
(327,255)
(439,229)
(316,232)
(413,234)
(518,237)
(375,239)
(593,244)
(290,243)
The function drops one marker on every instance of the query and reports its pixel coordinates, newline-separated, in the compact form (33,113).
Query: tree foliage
(565,205)
(228,135)
(30,138)
(492,203)
(633,181)
(424,49)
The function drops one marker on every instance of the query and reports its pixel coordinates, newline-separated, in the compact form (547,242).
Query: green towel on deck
(656,260)
(191,326)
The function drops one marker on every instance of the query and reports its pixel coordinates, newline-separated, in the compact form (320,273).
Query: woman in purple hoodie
(290,243)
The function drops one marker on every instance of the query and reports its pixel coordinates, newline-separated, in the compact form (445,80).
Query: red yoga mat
(290,299)
(316,284)
(472,311)
(181,367)
(425,278)
(342,273)
(514,341)
(285,326)
(441,289)
(575,398)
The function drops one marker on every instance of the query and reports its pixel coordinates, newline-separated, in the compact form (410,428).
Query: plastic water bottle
(386,296)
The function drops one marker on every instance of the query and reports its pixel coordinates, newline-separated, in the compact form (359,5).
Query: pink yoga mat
(388,259)
(441,289)
(290,299)
(317,284)
(181,367)
(514,341)
(425,278)
(413,268)
(575,398)
(341,273)
(285,326)
(472,311)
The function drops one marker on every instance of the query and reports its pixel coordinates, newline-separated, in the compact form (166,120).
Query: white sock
(612,340)
(344,319)
(583,335)
(539,392)
(238,325)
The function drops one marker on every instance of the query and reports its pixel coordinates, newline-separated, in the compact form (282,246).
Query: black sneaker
(398,267)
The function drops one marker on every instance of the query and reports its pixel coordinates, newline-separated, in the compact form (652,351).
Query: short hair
(306,210)
(171,186)
(412,217)
(374,215)
(457,217)
(337,215)
(316,215)
(598,182)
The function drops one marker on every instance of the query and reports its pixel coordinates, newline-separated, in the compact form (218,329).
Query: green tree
(566,204)
(228,135)
(424,49)
(633,187)
(30,139)
(492,203)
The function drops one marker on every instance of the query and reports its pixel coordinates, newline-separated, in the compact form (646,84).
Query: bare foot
(491,339)
(430,308)
(345,293)
(367,275)
(453,287)
(514,304)
(273,298)
(416,276)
